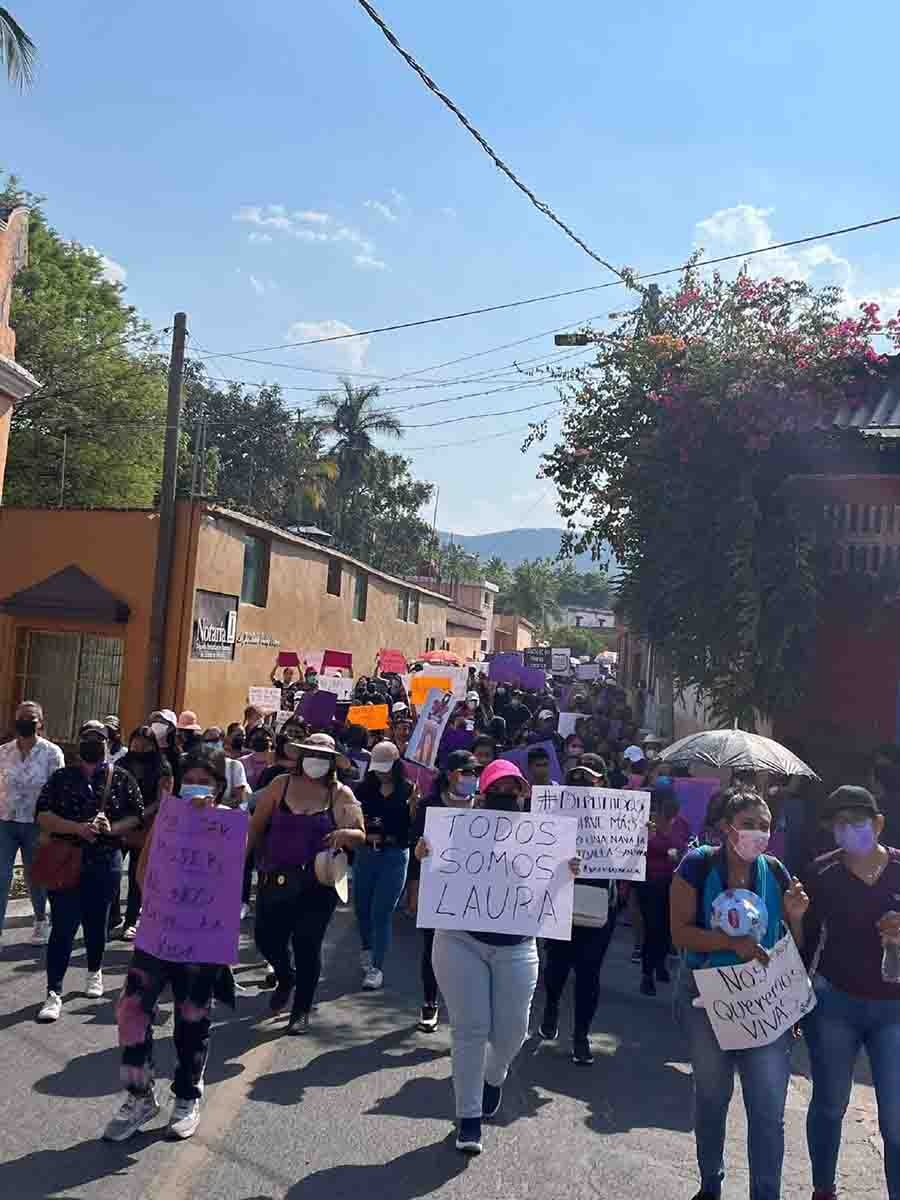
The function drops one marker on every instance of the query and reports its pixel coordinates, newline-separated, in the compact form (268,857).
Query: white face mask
(161,733)
(316,768)
(749,844)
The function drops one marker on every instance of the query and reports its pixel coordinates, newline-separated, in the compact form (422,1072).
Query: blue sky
(278,172)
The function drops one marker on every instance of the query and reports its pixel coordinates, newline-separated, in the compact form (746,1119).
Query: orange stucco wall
(117,548)
(5,418)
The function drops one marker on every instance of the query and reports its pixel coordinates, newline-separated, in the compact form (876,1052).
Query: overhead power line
(595,287)
(540,205)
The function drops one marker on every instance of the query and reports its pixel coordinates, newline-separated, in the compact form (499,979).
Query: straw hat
(331,871)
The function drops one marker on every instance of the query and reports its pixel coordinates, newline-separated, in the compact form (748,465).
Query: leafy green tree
(389,533)
(497,571)
(676,446)
(458,565)
(533,592)
(101,404)
(583,642)
(17,50)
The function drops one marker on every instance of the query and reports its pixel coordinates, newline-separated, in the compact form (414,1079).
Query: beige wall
(299,614)
(465,643)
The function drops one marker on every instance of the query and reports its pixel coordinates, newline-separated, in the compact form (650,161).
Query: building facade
(15,382)
(587,618)
(76,597)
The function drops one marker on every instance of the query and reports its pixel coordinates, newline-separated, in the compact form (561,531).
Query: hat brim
(341,760)
(383,768)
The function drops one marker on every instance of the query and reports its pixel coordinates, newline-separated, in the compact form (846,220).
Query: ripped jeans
(192,989)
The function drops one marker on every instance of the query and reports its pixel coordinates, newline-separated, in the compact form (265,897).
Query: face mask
(214,747)
(467,786)
(193,791)
(237,742)
(160,732)
(504,801)
(663,780)
(316,768)
(91,750)
(749,844)
(312,681)
(26,727)
(259,745)
(856,839)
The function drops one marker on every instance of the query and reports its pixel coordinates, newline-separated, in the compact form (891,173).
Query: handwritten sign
(192,890)
(567,722)
(589,670)
(317,708)
(751,1005)
(338,685)
(266,699)
(612,827)
(561,660)
(436,673)
(434,714)
(370,716)
(498,872)
(538,656)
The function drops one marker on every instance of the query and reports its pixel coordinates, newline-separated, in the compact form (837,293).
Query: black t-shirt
(387,817)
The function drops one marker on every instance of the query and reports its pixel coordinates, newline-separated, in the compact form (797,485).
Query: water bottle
(890,958)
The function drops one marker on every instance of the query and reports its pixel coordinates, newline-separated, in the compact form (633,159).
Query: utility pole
(166,537)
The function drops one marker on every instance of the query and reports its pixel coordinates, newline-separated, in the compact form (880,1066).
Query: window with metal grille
(75,677)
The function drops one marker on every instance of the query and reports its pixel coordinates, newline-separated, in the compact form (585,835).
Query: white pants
(488,991)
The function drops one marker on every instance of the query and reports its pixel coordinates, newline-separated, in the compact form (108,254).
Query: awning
(70,594)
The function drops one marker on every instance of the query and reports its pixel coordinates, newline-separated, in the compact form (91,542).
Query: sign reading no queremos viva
(753,1005)
(498,872)
(612,827)
(192,890)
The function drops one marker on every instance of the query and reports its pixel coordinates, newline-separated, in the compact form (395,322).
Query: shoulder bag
(57,862)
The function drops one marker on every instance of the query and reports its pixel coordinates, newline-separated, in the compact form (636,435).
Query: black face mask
(26,727)
(237,742)
(90,750)
(259,745)
(503,802)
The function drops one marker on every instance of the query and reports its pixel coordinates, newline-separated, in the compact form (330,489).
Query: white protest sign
(498,872)
(284,715)
(561,661)
(612,827)
(458,676)
(566,723)
(589,670)
(266,699)
(342,688)
(752,1005)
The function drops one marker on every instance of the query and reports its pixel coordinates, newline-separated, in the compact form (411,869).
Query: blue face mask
(467,786)
(664,781)
(193,791)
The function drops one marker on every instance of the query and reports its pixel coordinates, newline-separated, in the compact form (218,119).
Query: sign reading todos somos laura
(498,872)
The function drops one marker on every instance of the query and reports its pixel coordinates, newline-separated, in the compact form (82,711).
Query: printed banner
(498,872)
(612,827)
(192,890)
(752,1005)
(338,684)
(434,713)
(370,716)
(561,661)
(266,699)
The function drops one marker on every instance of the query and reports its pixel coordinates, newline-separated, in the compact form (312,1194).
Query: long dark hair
(147,773)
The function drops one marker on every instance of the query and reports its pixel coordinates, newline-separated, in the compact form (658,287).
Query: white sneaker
(40,935)
(93,987)
(185,1119)
(245,911)
(373,980)
(135,1112)
(51,1009)
(365,960)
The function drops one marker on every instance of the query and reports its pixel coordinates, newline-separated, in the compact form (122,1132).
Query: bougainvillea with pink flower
(676,442)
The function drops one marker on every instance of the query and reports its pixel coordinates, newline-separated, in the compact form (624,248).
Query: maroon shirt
(849,911)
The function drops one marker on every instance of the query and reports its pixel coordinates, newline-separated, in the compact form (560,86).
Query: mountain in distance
(520,545)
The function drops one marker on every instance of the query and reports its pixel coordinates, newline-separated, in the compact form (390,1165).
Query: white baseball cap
(384,755)
(634,754)
(546,714)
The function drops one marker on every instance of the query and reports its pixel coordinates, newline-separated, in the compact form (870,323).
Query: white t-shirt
(235,776)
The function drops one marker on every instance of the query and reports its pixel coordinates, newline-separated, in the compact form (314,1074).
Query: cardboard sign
(192,890)
(288,658)
(341,687)
(318,708)
(421,684)
(751,1005)
(266,699)
(434,714)
(458,676)
(612,827)
(589,670)
(497,872)
(454,739)
(538,656)
(370,716)
(561,661)
(509,669)
(567,722)
(393,661)
(519,756)
(337,658)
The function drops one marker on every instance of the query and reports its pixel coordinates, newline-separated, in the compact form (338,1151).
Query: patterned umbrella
(738,751)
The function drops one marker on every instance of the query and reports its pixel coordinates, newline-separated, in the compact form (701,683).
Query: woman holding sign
(702,877)
(855,916)
(488,982)
(297,817)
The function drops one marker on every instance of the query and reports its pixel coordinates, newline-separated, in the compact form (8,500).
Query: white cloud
(352,350)
(259,238)
(399,198)
(311,217)
(112,271)
(305,225)
(367,262)
(448,212)
(257,284)
(382,209)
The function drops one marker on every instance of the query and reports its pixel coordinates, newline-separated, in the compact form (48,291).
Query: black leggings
(299,924)
(429,983)
(653,898)
(585,952)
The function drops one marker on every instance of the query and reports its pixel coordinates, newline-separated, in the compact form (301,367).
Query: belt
(282,875)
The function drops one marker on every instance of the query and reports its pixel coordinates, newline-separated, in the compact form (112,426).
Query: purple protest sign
(192,890)
(508,668)
(454,739)
(519,756)
(693,797)
(318,708)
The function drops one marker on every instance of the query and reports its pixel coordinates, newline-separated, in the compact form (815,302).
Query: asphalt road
(361,1110)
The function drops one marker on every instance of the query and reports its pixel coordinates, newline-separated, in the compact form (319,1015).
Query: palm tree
(497,571)
(354,421)
(17,50)
(315,470)
(534,592)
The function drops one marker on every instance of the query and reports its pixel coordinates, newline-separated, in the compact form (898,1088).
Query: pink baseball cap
(500,768)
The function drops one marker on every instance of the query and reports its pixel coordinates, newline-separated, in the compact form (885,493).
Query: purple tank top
(294,839)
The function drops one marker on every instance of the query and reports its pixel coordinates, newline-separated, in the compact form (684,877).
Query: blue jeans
(765,1073)
(88,906)
(379,877)
(835,1031)
(19,836)
(488,990)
